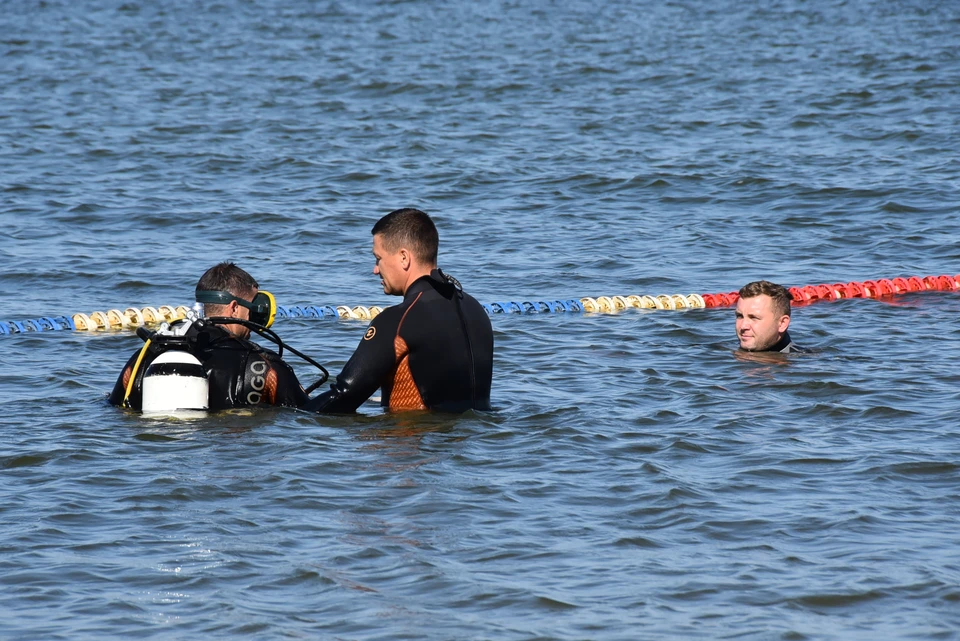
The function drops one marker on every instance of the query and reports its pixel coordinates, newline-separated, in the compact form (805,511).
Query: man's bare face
(758,325)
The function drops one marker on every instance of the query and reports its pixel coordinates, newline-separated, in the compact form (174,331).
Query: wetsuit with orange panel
(433,351)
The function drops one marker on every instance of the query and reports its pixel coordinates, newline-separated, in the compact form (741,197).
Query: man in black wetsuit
(240,372)
(434,350)
(763,316)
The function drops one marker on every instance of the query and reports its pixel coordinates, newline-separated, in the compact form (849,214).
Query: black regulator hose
(272,336)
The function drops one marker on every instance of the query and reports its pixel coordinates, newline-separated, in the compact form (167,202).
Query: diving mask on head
(263,307)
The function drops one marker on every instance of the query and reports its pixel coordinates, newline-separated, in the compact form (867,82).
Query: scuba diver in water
(763,316)
(214,353)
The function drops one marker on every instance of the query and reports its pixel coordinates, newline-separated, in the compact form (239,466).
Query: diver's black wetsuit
(240,372)
(433,351)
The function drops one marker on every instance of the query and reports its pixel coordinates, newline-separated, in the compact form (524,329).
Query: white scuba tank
(175,382)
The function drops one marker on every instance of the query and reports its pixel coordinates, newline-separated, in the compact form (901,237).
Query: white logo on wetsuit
(257,382)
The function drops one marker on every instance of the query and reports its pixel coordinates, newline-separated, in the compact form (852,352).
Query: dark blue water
(637,480)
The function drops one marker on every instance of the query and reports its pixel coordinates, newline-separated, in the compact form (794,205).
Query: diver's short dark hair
(410,228)
(778,293)
(226,277)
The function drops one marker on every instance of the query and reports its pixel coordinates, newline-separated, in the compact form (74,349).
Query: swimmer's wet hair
(778,293)
(412,229)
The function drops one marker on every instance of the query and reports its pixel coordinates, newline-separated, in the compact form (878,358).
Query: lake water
(637,480)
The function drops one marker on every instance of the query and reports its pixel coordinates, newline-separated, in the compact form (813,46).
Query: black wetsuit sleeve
(242,374)
(289,392)
(372,362)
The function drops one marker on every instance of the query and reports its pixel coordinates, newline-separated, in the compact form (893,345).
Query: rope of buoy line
(132,317)
(879,288)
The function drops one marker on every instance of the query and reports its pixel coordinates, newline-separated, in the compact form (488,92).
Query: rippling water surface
(637,479)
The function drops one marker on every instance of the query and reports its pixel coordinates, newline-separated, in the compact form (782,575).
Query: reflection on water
(770,358)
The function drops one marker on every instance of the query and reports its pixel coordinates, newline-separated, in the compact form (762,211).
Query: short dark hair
(410,228)
(226,277)
(778,293)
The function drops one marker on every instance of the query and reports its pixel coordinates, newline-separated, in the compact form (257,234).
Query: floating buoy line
(133,317)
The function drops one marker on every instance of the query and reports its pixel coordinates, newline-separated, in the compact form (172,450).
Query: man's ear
(405,258)
(232,309)
(783,324)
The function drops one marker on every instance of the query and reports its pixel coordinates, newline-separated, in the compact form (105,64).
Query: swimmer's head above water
(763,316)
